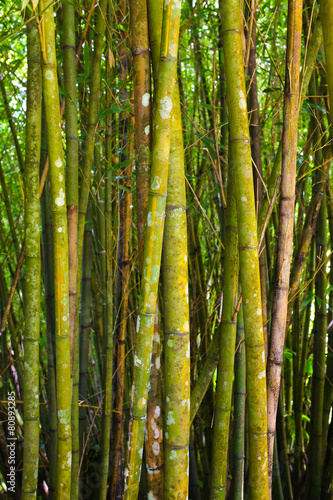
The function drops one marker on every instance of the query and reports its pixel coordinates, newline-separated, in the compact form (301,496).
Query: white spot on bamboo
(242,101)
(173,49)
(165,107)
(149,216)
(243,198)
(262,374)
(156,182)
(60,200)
(145,99)
(137,361)
(156,448)
(170,419)
(147,130)
(48,74)
(157,412)
(58,163)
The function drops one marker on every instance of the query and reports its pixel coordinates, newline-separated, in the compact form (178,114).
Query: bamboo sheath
(60,240)
(248,251)
(33,265)
(153,242)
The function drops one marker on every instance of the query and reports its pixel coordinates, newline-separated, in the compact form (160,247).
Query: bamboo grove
(166,249)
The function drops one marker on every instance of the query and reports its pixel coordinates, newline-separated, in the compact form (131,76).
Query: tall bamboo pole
(176,320)
(286,220)
(228,329)
(72,178)
(33,265)
(83,203)
(153,242)
(248,251)
(239,412)
(142,111)
(319,359)
(60,239)
(108,334)
(48,272)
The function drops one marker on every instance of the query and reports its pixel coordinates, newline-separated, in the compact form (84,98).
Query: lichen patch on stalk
(145,99)
(165,107)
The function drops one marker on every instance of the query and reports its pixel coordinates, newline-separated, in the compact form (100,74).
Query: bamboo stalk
(153,242)
(285,232)
(60,239)
(33,265)
(248,251)
(176,320)
(228,329)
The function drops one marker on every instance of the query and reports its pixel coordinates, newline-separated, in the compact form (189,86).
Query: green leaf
(121,186)
(288,354)
(307,300)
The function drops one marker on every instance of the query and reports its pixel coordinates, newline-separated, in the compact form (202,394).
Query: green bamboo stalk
(319,360)
(176,320)
(123,276)
(283,444)
(239,412)
(285,233)
(48,273)
(249,263)
(205,376)
(60,239)
(328,465)
(83,203)
(108,333)
(326,14)
(276,481)
(72,158)
(85,327)
(228,329)
(328,391)
(33,265)
(153,242)
(123,264)
(299,401)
